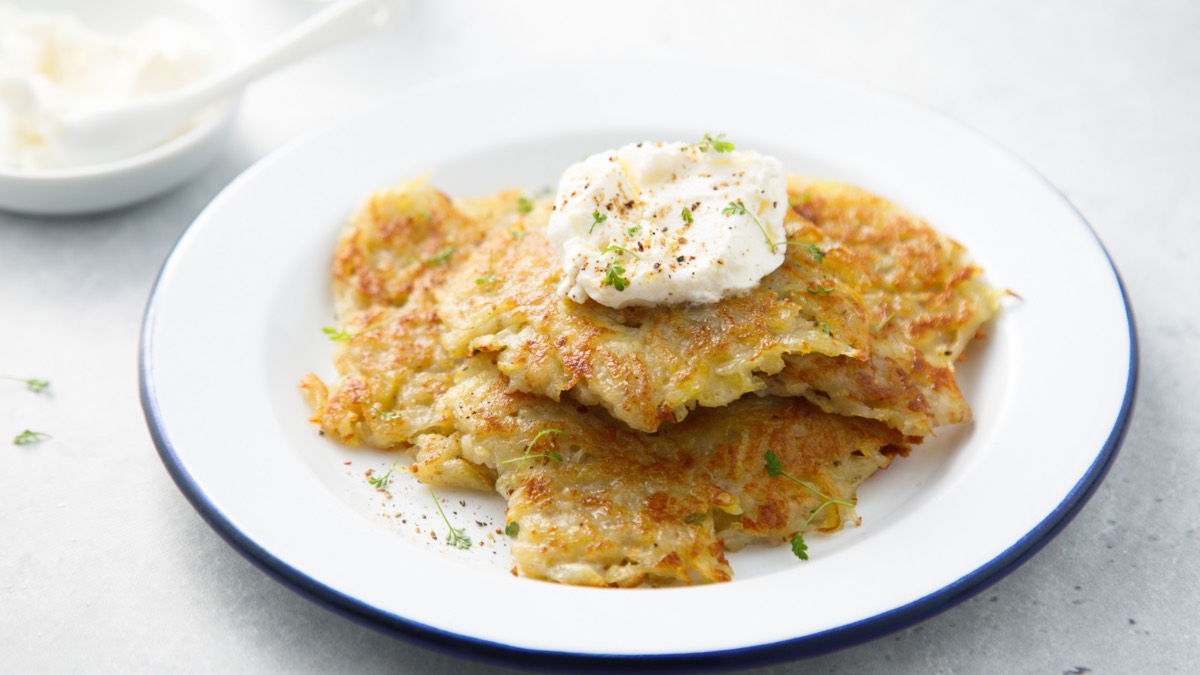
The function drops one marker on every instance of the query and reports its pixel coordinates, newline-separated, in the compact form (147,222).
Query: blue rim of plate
(797,648)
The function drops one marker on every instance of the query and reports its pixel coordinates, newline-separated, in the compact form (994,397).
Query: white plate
(234,322)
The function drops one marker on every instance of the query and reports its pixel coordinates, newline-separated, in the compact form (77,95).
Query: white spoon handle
(122,130)
(334,24)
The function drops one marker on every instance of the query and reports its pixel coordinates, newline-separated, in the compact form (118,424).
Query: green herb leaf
(440,257)
(634,230)
(695,518)
(381,481)
(613,248)
(687,215)
(32,384)
(739,209)
(524,205)
(343,335)
(488,278)
(799,548)
(774,465)
(518,234)
(389,415)
(825,329)
(612,276)
(457,537)
(775,468)
(531,445)
(28,437)
(335,334)
(816,252)
(543,432)
(710,143)
(512,528)
(597,218)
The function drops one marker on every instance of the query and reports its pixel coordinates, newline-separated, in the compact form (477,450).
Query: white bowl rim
(210,125)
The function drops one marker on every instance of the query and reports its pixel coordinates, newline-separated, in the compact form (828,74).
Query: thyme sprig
(531,445)
(716,144)
(383,480)
(597,219)
(342,335)
(488,278)
(739,209)
(614,248)
(29,437)
(441,257)
(612,276)
(457,537)
(33,384)
(775,468)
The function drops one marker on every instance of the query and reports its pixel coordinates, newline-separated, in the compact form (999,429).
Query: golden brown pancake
(925,299)
(433,361)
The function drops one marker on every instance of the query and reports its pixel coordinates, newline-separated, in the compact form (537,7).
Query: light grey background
(105,567)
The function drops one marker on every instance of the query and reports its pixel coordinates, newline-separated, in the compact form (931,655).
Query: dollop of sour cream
(666,223)
(52,66)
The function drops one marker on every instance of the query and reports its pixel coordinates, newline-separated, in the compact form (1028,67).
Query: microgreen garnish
(687,215)
(457,537)
(335,334)
(28,437)
(512,528)
(695,518)
(792,201)
(613,248)
(389,415)
(816,252)
(799,548)
(550,454)
(612,276)
(885,321)
(739,209)
(775,468)
(441,257)
(819,290)
(524,205)
(774,464)
(381,481)
(488,278)
(32,384)
(714,143)
(634,230)
(825,329)
(597,218)
(341,335)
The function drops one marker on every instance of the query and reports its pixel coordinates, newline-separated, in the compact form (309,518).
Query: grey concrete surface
(105,567)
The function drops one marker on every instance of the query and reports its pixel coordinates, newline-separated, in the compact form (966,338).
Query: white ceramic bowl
(111,185)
